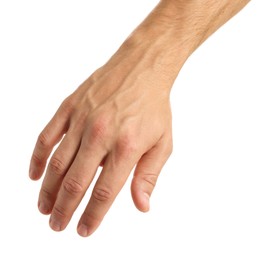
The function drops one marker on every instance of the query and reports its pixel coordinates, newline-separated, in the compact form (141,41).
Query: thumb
(146,173)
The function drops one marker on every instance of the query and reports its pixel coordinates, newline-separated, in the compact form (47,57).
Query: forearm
(175,28)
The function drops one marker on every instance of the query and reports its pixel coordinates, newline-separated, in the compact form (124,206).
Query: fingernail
(54,224)
(43,208)
(82,230)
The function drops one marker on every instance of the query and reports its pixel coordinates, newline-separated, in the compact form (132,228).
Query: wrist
(160,41)
(176,28)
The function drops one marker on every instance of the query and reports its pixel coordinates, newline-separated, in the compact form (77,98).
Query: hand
(118,118)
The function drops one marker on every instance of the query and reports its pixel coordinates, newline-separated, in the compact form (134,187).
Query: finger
(74,186)
(48,138)
(147,172)
(112,178)
(57,168)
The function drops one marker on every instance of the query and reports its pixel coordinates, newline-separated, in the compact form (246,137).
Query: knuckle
(59,211)
(78,122)
(99,129)
(67,106)
(126,146)
(72,187)
(92,218)
(46,193)
(37,160)
(150,178)
(102,194)
(56,166)
(43,140)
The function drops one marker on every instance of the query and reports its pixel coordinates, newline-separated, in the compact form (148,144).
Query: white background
(206,203)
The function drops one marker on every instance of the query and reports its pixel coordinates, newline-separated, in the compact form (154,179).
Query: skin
(120,117)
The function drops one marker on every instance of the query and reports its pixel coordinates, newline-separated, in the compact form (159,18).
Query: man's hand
(120,117)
